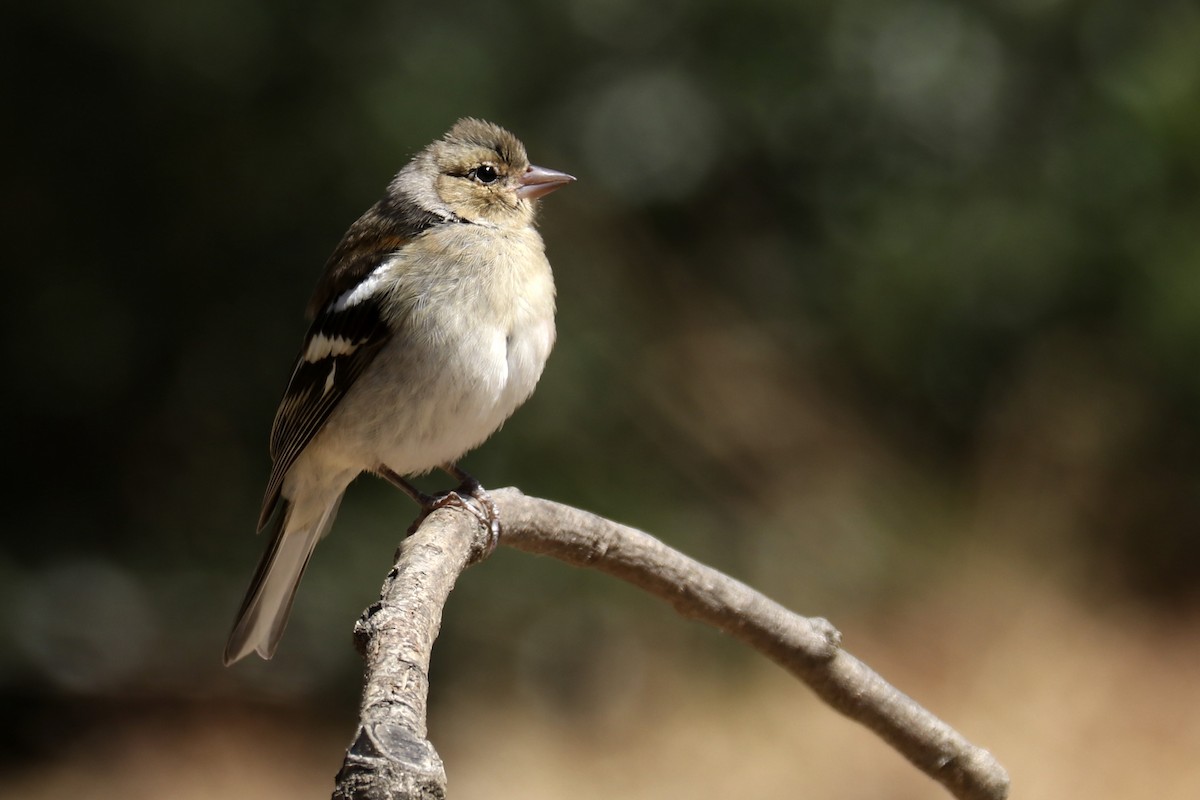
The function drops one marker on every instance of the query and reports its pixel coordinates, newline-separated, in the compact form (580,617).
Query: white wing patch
(322,346)
(365,289)
(329,380)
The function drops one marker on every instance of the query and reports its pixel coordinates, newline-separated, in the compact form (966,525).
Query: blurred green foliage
(843,287)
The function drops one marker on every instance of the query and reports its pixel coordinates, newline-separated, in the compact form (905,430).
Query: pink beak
(539,181)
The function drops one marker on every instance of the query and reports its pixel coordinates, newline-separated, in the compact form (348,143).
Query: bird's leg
(483,509)
(427,502)
(474,489)
(395,479)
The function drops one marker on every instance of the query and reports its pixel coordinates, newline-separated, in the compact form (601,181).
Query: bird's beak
(539,181)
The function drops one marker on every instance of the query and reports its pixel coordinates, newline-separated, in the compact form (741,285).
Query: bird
(430,325)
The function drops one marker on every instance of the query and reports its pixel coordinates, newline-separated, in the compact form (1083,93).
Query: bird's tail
(300,524)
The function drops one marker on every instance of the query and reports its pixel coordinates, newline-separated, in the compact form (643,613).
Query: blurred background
(889,309)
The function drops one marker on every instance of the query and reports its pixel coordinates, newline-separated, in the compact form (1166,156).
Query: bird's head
(481,173)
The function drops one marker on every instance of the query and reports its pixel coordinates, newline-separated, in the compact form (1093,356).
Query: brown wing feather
(384,228)
(316,388)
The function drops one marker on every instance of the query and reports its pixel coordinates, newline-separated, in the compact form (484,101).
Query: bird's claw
(478,503)
(470,496)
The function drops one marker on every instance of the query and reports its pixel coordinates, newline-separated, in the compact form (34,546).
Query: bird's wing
(348,329)
(341,342)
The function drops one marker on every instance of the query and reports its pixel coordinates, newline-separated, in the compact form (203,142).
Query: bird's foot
(469,496)
(474,499)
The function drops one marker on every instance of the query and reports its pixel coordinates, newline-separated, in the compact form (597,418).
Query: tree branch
(391,757)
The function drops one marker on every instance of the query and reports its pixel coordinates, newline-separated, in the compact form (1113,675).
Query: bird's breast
(477,330)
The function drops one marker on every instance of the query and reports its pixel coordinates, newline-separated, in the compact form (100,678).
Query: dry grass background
(1075,701)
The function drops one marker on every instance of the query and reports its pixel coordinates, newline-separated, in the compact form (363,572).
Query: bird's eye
(485,174)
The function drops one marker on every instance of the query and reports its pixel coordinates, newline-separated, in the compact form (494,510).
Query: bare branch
(391,740)
(390,756)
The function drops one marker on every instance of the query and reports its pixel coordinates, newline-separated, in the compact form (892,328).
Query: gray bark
(391,756)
